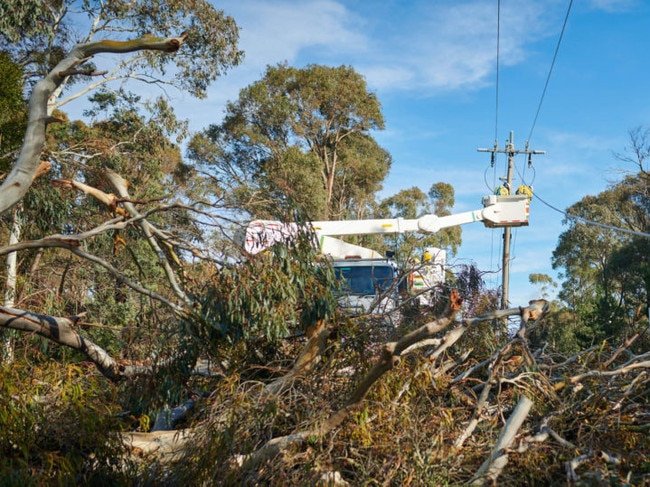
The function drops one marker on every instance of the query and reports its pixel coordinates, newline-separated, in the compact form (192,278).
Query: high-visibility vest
(523,189)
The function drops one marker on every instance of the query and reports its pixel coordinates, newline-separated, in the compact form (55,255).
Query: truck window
(365,279)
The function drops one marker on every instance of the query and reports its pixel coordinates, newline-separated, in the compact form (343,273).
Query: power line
(496,109)
(550,71)
(510,150)
(496,91)
(586,221)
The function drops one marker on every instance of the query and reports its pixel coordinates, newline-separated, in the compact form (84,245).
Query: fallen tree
(524,390)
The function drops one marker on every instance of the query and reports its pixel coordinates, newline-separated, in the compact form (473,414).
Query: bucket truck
(369,279)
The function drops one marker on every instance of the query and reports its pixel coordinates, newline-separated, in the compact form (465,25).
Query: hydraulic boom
(497,211)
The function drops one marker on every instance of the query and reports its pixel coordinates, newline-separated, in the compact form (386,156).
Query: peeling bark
(60,330)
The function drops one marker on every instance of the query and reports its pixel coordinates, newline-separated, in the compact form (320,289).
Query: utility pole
(511,152)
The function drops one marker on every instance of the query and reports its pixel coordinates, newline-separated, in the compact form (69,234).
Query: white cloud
(273,32)
(421,45)
(388,77)
(613,6)
(451,46)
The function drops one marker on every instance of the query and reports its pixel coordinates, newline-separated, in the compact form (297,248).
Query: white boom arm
(497,211)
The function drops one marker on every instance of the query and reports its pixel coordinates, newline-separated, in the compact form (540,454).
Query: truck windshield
(369,279)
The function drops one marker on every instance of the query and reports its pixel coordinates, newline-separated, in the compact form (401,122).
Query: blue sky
(432,64)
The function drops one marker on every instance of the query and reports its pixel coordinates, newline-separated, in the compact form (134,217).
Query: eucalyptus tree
(13,120)
(39,33)
(13,110)
(91,214)
(299,135)
(604,254)
(124,246)
(414,203)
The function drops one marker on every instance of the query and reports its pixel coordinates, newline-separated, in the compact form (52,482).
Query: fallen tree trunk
(61,330)
(165,446)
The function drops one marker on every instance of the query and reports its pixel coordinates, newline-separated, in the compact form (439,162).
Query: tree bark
(498,459)
(61,331)
(10,286)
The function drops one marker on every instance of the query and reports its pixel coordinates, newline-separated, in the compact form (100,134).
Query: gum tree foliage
(299,135)
(39,36)
(39,33)
(42,35)
(414,203)
(132,142)
(271,295)
(111,275)
(112,262)
(606,271)
(13,112)
(13,120)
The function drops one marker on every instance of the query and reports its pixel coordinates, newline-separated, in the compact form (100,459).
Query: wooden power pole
(511,152)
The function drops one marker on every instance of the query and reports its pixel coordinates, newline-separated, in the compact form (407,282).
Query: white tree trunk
(10,285)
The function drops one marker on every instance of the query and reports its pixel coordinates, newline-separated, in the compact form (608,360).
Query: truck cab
(367,285)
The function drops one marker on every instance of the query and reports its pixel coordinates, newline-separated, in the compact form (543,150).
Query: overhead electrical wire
(550,71)
(566,214)
(586,221)
(541,100)
(496,103)
(496,121)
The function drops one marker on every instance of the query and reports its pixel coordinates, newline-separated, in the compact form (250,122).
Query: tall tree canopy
(301,135)
(414,203)
(606,271)
(38,33)
(47,54)
(45,43)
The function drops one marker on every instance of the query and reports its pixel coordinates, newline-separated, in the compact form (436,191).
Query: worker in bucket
(525,190)
(503,190)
